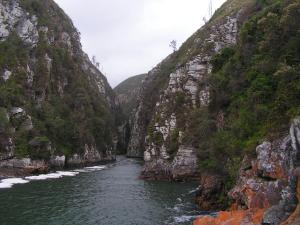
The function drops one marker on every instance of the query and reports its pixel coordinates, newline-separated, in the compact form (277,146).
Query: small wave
(184,218)
(44,176)
(58,174)
(179,199)
(193,191)
(8,183)
(95,168)
(67,173)
(82,171)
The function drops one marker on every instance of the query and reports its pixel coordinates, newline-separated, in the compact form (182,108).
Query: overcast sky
(129,37)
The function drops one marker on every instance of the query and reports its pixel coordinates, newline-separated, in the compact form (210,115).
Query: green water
(113,196)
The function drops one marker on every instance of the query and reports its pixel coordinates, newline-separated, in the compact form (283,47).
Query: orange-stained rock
(240,217)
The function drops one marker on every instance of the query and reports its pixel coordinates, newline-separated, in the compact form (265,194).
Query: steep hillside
(127,92)
(176,94)
(127,96)
(224,109)
(55,106)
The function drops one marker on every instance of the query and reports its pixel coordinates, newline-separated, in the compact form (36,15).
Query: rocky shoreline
(267,190)
(24,167)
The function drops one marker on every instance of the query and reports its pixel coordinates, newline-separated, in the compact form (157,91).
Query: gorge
(216,122)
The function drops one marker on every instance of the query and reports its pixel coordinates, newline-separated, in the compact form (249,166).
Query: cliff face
(225,101)
(175,92)
(255,87)
(55,106)
(127,94)
(266,190)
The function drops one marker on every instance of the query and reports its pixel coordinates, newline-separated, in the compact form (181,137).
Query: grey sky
(129,37)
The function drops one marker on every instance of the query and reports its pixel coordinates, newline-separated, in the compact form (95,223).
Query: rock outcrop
(266,189)
(209,191)
(182,167)
(294,219)
(54,103)
(171,94)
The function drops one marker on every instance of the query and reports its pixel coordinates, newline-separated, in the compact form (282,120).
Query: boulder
(239,217)
(211,185)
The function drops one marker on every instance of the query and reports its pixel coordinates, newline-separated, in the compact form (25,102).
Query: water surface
(112,196)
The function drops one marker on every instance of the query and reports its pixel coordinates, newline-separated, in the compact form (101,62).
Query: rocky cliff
(223,103)
(55,106)
(266,190)
(127,94)
(175,93)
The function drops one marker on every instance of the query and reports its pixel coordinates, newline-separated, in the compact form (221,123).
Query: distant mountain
(127,93)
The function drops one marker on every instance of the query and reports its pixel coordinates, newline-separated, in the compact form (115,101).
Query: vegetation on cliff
(65,99)
(254,86)
(127,93)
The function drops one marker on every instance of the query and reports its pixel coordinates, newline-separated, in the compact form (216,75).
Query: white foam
(184,218)
(58,174)
(193,191)
(44,176)
(95,168)
(67,173)
(82,171)
(8,183)
(5,185)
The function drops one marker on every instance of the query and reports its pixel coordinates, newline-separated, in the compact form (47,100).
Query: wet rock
(182,167)
(90,156)
(58,161)
(211,185)
(27,165)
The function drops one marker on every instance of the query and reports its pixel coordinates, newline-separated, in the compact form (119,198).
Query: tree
(210,10)
(94,61)
(173,45)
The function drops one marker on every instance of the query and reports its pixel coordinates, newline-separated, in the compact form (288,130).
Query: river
(110,195)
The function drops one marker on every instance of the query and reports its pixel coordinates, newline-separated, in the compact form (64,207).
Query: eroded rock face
(267,183)
(55,87)
(26,165)
(211,185)
(182,167)
(90,156)
(14,18)
(58,161)
(294,219)
(187,89)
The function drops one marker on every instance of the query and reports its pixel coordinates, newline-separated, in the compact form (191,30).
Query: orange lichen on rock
(239,217)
